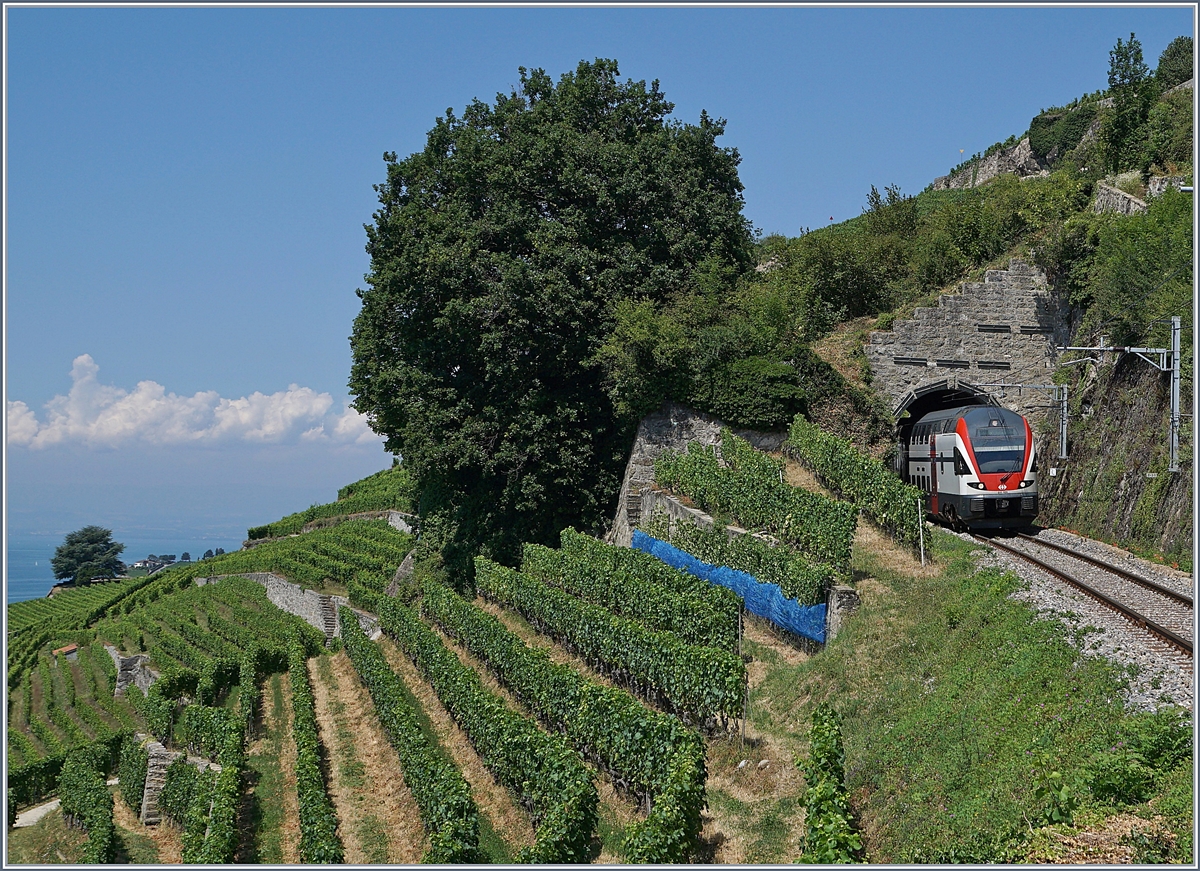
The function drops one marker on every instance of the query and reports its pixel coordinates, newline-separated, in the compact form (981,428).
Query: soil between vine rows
(504,816)
(378,819)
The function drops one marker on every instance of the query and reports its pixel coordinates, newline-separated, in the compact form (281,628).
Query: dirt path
(506,817)
(379,821)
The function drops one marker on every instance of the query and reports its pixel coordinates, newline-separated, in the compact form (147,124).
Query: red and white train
(976,466)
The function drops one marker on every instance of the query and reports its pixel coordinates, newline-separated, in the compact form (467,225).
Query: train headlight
(1025,484)
(977,485)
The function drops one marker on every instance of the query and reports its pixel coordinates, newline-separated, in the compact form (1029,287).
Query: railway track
(1163,612)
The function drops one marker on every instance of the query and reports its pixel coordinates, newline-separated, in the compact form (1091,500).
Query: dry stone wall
(1002,330)
(132,671)
(1111,199)
(316,609)
(671,427)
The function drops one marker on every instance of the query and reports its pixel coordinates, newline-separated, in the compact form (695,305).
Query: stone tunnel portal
(934,396)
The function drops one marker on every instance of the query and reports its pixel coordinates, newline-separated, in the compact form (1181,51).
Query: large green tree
(88,553)
(499,256)
(1175,63)
(1133,93)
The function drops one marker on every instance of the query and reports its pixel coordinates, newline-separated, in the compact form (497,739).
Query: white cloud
(98,414)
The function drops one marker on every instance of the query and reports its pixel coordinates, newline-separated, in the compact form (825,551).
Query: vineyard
(389,489)
(603,753)
(592,704)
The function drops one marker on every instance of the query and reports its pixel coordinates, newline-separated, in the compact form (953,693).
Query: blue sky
(186,189)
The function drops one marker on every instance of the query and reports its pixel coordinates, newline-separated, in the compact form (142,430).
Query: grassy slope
(958,706)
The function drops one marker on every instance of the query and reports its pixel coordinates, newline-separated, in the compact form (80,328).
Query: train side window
(960,463)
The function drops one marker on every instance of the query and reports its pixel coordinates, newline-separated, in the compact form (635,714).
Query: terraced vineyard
(626,781)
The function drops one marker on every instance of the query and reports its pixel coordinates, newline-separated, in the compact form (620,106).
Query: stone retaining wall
(132,670)
(305,604)
(1111,199)
(671,427)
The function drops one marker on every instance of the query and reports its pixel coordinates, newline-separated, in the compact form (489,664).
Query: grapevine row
(700,683)
(798,578)
(883,497)
(600,573)
(646,753)
(87,802)
(390,488)
(748,486)
(447,810)
(318,825)
(548,778)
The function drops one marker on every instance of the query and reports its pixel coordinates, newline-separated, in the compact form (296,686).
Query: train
(976,466)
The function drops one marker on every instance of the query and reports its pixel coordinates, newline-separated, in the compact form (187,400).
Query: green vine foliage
(613,578)
(178,787)
(36,780)
(443,797)
(890,503)
(647,754)
(547,777)
(702,684)
(829,836)
(86,801)
(131,773)
(196,818)
(389,489)
(798,578)
(319,843)
(747,486)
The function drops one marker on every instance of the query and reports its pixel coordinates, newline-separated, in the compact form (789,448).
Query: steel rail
(1139,620)
(1182,598)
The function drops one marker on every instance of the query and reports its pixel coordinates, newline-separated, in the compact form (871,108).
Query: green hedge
(747,486)
(703,684)
(798,578)
(443,797)
(647,754)
(604,575)
(884,498)
(548,778)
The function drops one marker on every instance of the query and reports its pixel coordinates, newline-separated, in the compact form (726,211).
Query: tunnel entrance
(934,396)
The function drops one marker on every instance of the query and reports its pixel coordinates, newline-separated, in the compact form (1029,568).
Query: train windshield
(998,439)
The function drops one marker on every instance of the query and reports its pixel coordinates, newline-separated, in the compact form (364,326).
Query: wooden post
(921,529)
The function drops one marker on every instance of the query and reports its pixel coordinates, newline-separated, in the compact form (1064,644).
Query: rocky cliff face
(1019,160)
(1118,438)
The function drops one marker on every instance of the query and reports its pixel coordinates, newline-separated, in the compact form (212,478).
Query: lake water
(30,575)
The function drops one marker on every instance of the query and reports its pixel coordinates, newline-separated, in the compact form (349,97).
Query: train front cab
(976,467)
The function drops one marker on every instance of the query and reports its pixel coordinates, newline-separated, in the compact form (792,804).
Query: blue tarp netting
(765,600)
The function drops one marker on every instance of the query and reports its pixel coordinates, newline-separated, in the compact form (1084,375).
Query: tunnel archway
(929,397)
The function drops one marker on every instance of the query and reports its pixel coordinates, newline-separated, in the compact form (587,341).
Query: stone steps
(156,777)
(328,617)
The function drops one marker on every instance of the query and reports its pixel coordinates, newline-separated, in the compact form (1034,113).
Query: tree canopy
(1175,63)
(500,255)
(88,553)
